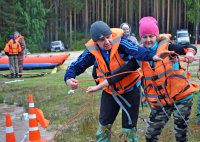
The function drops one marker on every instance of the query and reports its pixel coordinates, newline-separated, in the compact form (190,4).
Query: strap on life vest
(181,115)
(157,100)
(121,105)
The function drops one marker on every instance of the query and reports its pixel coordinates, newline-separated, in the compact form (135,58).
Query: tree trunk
(70,24)
(168,14)
(163,16)
(117,12)
(56,20)
(86,19)
(140,15)
(65,23)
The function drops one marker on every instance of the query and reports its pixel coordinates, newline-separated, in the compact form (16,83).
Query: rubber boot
(103,133)
(131,134)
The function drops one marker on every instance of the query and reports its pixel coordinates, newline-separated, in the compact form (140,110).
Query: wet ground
(20,126)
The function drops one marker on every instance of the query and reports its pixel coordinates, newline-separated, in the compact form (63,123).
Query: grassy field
(50,95)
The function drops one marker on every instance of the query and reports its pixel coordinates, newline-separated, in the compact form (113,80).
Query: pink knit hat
(148,25)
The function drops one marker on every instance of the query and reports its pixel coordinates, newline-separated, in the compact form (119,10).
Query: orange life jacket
(116,62)
(164,85)
(18,39)
(12,48)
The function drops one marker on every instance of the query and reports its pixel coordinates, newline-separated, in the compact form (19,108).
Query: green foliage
(24,16)
(1,43)
(34,14)
(79,45)
(193,10)
(75,4)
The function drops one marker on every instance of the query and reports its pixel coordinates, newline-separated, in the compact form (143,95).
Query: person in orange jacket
(20,39)
(12,49)
(166,84)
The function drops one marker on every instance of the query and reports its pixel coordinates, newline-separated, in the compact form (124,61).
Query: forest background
(43,21)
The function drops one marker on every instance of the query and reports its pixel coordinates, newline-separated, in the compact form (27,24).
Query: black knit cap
(99,30)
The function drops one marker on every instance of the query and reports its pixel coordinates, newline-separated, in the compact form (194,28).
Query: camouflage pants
(158,119)
(20,62)
(13,64)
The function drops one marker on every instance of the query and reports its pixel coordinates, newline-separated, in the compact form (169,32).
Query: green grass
(50,95)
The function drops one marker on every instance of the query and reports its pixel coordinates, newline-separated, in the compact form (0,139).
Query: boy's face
(148,40)
(106,42)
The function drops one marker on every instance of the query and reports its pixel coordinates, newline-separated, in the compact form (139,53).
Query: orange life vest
(19,38)
(12,48)
(116,62)
(164,85)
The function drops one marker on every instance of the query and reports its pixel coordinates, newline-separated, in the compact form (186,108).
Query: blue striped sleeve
(85,60)
(136,51)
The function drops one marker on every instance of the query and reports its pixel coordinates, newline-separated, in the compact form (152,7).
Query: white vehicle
(182,37)
(57,46)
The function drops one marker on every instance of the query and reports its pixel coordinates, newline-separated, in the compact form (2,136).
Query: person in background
(110,50)
(12,49)
(165,83)
(20,39)
(127,33)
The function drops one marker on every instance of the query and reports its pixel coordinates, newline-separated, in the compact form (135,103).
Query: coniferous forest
(42,21)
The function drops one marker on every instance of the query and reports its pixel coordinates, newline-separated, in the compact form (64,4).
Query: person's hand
(162,37)
(163,54)
(189,57)
(92,89)
(72,83)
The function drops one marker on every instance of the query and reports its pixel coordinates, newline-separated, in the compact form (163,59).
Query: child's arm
(132,65)
(97,87)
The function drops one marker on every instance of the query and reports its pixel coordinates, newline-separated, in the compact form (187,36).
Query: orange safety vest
(18,39)
(164,85)
(116,62)
(12,48)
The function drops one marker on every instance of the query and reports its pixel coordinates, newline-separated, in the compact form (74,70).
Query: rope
(92,96)
(74,117)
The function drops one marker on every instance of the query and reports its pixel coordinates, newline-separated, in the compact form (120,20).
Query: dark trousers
(109,108)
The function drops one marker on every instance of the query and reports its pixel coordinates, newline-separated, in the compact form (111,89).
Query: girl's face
(148,40)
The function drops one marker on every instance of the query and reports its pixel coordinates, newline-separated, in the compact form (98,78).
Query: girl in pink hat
(165,82)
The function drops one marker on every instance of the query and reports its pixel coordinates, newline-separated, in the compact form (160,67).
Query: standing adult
(110,50)
(127,33)
(20,39)
(12,49)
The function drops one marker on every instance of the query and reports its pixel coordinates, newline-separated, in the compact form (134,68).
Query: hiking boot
(16,75)
(11,76)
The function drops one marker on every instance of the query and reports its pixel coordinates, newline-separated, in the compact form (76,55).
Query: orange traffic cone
(10,136)
(34,133)
(40,118)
